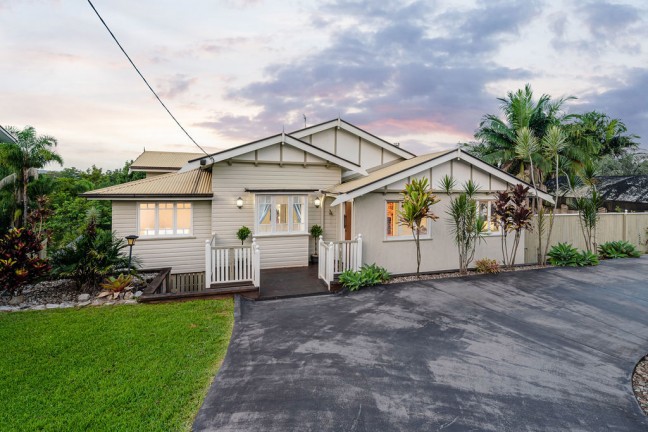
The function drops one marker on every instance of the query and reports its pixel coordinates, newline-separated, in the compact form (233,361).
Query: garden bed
(640,383)
(63,293)
(445,275)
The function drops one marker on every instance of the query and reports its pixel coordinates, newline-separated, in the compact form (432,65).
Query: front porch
(289,282)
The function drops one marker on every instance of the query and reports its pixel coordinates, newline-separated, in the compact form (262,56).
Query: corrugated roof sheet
(196,183)
(163,160)
(385,172)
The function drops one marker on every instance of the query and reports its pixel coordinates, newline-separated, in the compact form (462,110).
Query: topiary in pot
(243,233)
(316,231)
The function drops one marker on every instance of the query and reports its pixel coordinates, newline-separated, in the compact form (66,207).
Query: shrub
(316,231)
(566,255)
(486,265)
(117,284)
(618,249)
(243,233)
(368,275)
(94,255)
(19,261)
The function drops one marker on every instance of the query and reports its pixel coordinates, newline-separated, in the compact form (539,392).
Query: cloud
(401,68)
(175,86)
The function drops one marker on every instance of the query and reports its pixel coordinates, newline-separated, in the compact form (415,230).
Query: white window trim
(490,204)
(274,233)
(157,217)
(407,237)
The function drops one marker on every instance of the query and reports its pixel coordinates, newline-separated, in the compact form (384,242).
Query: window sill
(168,237)
(405,239)
(263,235)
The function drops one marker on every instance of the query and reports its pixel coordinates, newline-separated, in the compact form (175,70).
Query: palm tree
(553,144)
(23,159)
(417,200)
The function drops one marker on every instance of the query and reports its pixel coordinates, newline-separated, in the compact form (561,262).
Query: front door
(347,220)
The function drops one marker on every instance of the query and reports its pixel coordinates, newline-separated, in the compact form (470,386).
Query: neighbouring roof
(195,183)
(6,136)
(162,160)
(633,189)
(401,170)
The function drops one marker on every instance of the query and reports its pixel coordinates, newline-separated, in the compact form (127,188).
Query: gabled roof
(191,184)
(269,141)
(630,189)
(6,136)
(301,133)
(162,160)
(402,170)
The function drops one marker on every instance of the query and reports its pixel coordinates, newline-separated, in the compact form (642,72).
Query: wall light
(239,202)
(317,202)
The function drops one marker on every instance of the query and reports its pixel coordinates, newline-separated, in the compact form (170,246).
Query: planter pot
(314,259)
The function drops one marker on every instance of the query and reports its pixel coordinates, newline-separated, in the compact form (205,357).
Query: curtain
(264,208)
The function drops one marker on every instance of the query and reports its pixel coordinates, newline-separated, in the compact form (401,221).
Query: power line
(144,79)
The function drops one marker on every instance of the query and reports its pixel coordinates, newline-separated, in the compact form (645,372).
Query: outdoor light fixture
(239,202)
(131,242)
(317,202)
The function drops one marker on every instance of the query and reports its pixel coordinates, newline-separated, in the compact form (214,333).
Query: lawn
(118,368)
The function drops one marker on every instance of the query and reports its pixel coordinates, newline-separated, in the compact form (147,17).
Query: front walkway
(289,282)
(550,349)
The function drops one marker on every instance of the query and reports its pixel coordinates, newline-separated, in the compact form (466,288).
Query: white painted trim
(157,217)
(457,154)
(274,233)
(276,139)
(356,131)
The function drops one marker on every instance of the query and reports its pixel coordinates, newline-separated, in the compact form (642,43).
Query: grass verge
(144,367)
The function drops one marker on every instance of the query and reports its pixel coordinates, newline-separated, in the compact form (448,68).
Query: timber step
(221,291)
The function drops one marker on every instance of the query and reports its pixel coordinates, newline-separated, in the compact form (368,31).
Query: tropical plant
(117,284)
(417,200)
(243,233)
(19,260)
(553,144)
(468,226)
(618,249)
(488,266)
(512,213)
(368,275)
(23,159)
(316,231)
(566,255)
(588,216)
(94,255)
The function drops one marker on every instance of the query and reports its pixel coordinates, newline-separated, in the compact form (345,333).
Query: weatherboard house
(189,207)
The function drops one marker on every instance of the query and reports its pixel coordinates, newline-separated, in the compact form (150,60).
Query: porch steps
(221,290)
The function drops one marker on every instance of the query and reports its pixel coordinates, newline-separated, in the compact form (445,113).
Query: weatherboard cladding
(194,183)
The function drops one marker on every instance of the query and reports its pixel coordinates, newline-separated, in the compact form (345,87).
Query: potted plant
(316,231)
(243,233)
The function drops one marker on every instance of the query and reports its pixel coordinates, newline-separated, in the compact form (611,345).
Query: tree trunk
(24,196)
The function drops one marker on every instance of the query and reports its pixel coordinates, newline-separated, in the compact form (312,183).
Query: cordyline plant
(19,260)
(468,226)
(512,213)
(417,200)
(588,217)
(553,143)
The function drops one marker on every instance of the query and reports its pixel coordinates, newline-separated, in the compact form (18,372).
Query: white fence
(235,264)
(336,257)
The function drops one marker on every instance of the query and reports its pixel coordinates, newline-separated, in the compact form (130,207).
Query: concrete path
(539,350)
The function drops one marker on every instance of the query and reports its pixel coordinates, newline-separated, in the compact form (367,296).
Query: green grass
(117,368)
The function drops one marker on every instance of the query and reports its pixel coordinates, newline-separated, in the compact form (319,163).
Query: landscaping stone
(131,301)
(16,300)
(97,302)
(84,303)
(640,384)
(7,309)
(128,296)
(52,306)
(38,307)
(66,305)
(138,294)
(83,297)
(109,303)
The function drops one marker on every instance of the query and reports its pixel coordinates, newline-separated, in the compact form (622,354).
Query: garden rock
(128,296)
(16,300)
(84,303)
(83,297)
(7,309)
(52,306)
(97,302)
(138,294)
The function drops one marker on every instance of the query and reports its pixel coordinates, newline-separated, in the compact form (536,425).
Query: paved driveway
(550,349)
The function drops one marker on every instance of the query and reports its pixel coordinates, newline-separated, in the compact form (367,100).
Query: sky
(420,73)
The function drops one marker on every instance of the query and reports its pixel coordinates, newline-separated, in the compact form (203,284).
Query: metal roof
(162,160)
(194,183)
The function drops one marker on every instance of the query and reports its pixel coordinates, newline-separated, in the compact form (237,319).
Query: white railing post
(358,254)
(208,264)
(321,257)
(329,264)
(256,263)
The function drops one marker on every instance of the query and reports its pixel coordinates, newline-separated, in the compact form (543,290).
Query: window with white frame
(486,210)
(280,214)
(394,229)
(164,219)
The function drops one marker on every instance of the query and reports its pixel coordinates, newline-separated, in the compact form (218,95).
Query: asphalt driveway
(550,349)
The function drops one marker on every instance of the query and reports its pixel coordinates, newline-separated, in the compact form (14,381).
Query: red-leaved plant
(513,215)
(19,261)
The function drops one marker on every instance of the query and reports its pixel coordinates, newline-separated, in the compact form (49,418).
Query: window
(394,229)
(485,209)
(280,214)
(164,219)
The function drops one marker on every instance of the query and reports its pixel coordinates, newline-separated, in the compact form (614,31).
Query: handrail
(160,282)
(232,264)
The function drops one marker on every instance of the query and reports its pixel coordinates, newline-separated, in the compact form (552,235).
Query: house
(624,192)
(333,174)
(6,136)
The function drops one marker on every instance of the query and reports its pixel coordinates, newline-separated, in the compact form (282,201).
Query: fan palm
(23,159)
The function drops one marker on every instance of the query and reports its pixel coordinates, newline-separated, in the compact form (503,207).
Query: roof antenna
(304,120)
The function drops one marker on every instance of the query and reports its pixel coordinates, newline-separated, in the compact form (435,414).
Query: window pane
(298,214)
(281,213)
(264,215)
(392,219)
(183,218)
(165,219)
(147,219)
